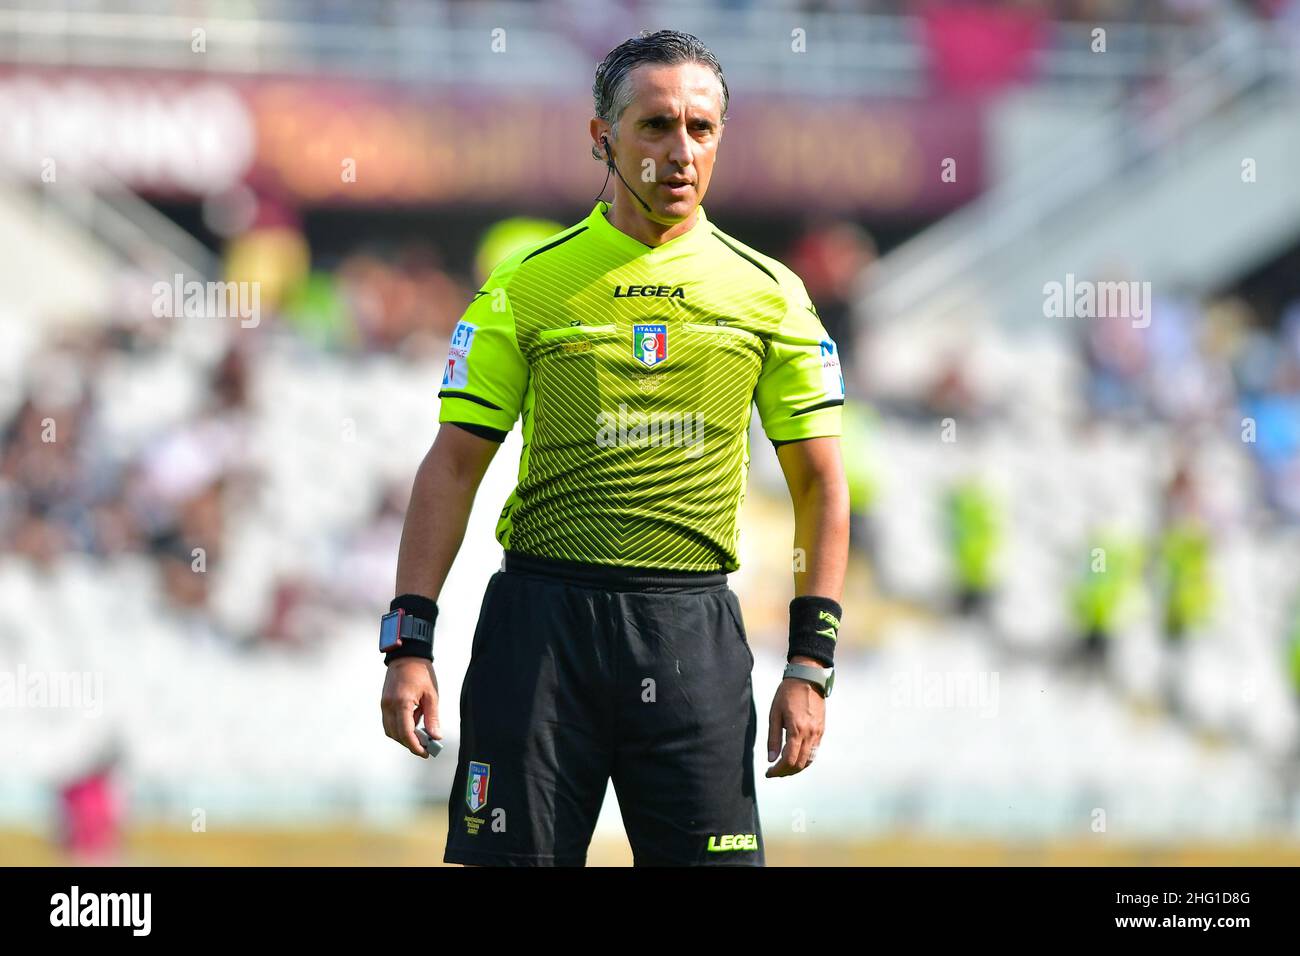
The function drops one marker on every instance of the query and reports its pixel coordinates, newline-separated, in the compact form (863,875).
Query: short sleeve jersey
(635,370)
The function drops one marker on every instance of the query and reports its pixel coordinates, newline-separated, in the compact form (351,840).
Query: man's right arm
(441,498)
(481,396)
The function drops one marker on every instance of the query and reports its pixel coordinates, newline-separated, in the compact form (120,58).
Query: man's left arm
(800,394)
(814,474)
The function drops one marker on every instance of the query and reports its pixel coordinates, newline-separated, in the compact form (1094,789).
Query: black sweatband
(417,606)
(814,628)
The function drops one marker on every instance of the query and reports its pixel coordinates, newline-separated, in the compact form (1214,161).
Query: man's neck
(644,230)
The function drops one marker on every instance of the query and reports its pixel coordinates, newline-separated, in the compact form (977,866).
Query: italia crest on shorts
(650,344)
(476,788)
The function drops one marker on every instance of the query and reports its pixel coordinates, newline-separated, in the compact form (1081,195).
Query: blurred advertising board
(334,142)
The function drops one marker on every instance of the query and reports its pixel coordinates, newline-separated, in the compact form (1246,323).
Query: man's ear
(597,151)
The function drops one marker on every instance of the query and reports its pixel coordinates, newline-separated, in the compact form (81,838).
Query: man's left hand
(800,710)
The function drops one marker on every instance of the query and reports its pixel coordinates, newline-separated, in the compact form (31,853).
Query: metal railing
(128,226)
(987,239)
(546,44)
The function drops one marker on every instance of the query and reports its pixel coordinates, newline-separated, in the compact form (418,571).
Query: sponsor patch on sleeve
(832,375)
(456,374)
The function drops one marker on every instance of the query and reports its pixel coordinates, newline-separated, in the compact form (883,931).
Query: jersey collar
(611,233)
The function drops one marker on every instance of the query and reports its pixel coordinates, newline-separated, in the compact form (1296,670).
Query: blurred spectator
(974,535)
(1184,555)
(977,48)
(409,305)
(832,258)
(1115,349)
(91,814)
(273,254)
(1293,647)
(1103,595)
(317,311)
(504,237)
(861,471)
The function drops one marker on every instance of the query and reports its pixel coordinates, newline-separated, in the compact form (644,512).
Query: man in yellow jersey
(633,347)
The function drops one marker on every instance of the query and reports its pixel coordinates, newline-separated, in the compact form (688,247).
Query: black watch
(401,628)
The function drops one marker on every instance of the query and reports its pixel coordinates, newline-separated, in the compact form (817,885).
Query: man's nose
(680,150)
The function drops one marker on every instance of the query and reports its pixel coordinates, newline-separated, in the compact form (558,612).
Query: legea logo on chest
(651,291)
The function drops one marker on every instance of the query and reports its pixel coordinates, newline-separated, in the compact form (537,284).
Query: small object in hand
(431,746)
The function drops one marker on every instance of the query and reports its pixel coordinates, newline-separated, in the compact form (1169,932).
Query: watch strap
(416,629)
(822,677)
(419,614)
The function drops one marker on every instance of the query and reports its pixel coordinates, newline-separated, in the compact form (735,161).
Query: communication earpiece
(609,163)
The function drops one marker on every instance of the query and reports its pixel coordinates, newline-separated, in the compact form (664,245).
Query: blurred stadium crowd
(90,467)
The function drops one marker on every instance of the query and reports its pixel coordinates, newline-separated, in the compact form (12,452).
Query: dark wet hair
(612,89)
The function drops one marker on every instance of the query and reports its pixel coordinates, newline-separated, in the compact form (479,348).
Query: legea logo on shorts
(729,842)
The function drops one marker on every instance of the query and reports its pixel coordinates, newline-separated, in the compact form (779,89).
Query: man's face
(675,121)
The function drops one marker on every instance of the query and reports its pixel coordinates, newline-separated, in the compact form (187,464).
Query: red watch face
(390,630)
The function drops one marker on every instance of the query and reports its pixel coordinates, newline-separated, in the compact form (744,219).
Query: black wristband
(417,606)
(814,628)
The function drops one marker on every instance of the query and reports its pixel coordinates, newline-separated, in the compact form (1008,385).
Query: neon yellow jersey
(635,370)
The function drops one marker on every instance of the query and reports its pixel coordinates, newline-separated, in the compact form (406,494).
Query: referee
(633,346)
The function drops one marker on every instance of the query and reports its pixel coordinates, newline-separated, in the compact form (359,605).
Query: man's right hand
(410,690)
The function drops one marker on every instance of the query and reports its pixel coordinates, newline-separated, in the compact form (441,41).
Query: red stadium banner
(321,142)
(978,50)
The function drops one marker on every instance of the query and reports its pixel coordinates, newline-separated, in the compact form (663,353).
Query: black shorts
(572,682)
